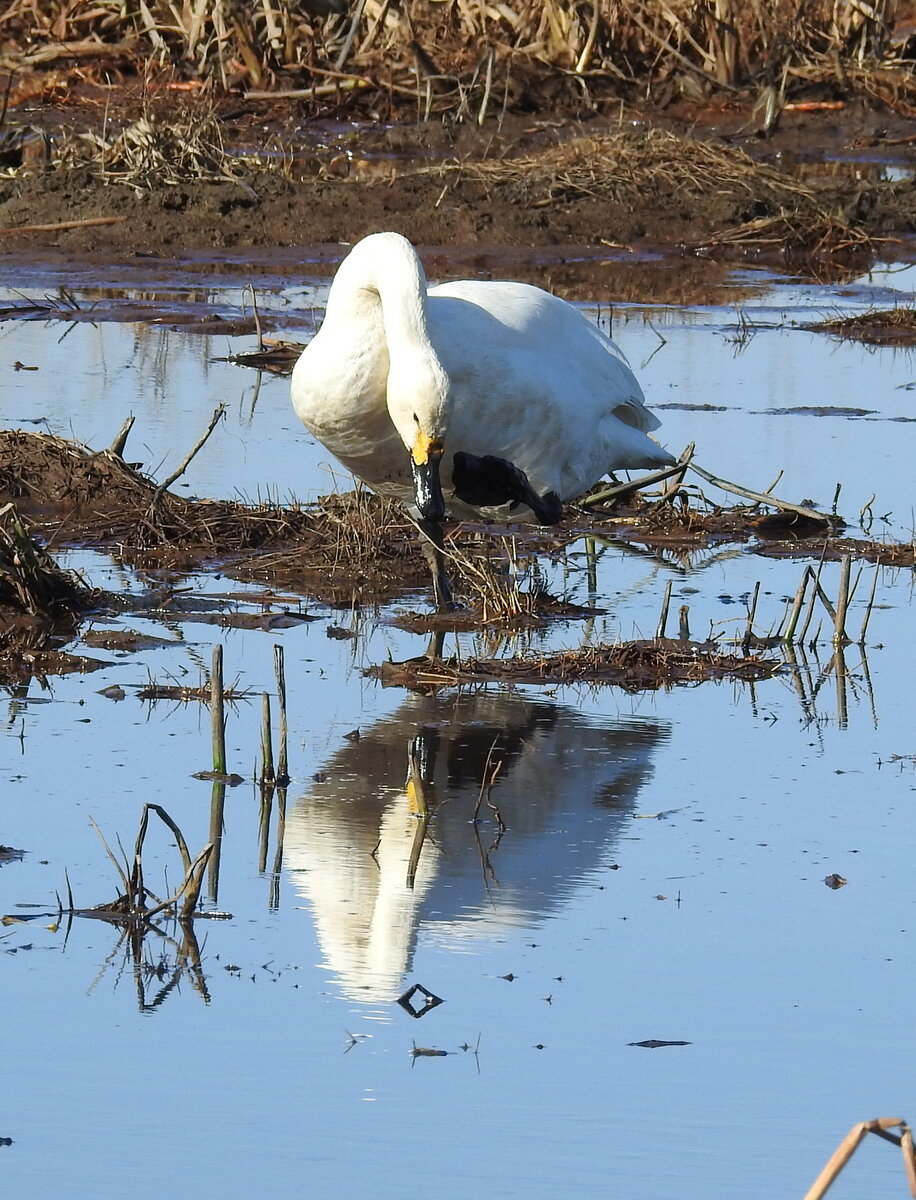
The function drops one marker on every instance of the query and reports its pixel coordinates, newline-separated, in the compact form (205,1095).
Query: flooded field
(673,950)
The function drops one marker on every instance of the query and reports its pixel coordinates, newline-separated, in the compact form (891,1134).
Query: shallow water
(661,871)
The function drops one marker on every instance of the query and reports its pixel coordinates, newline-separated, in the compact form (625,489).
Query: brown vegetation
(633,666)
(468,58)
(878,327)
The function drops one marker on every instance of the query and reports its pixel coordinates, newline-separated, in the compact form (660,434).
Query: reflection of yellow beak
(414,806)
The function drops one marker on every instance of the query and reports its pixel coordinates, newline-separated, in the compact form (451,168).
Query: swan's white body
(487,368)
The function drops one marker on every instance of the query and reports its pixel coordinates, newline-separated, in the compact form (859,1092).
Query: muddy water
(652,866)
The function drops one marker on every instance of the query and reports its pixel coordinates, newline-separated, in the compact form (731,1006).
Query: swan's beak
(425,458)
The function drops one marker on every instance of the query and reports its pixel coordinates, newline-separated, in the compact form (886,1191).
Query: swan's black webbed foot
(491,481)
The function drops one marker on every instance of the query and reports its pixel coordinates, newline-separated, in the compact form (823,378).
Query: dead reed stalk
(458,56)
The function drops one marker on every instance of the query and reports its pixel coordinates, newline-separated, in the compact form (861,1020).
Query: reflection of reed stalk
(282,762)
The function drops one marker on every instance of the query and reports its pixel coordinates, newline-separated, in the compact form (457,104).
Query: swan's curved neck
(383,277)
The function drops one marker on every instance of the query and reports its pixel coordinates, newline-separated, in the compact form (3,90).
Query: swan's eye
(416,418)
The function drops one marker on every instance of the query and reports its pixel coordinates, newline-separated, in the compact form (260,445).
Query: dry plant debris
(31,582)
(467,59)
(618,166)
(878,327)
(633,666)
(155,151)
(107,501)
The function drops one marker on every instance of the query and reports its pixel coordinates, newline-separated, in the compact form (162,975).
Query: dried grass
(153,152)
(633,666)
(468,58)
(31,582)
(109,501)
(616,166)
(622,167)
(878,327)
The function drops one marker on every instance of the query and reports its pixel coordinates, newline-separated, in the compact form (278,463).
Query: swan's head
(417,403)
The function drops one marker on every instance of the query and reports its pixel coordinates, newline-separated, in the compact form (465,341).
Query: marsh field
(613,896)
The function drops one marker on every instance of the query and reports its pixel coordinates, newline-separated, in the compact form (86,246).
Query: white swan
(501,394)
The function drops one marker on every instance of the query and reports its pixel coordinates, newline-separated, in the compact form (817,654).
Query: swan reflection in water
(373,871)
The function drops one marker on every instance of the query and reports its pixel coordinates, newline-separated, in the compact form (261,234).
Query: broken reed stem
(267,795)
(282,777)
(663,615)
(267,750)
(909,1158)
(487,779)
(842,601)
(759,497)
(619,490)
(218,413)
(797,603)
(870,605)
(488,84)
(117,446)
(683,623)
(217,712)
(125,882)
(677,479)
(53,226)
(844,1152)
(190,887)
(751,613)
(274,897)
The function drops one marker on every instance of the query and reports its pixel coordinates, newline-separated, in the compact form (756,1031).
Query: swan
(499,396)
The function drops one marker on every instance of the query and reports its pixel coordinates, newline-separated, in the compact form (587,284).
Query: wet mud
(705,180)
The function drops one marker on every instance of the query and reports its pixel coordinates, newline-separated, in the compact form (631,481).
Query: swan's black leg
(431,540)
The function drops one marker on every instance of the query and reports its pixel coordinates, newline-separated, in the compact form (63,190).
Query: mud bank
(651,181)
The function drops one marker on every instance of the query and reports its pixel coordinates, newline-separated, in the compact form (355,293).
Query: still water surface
(660,875)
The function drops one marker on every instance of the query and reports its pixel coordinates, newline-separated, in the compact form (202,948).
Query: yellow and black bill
(425,460)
